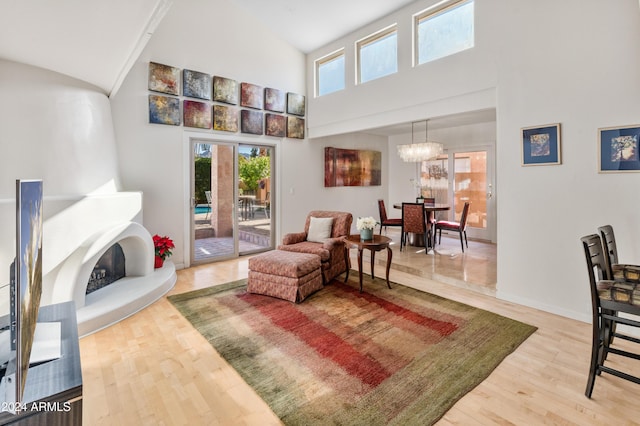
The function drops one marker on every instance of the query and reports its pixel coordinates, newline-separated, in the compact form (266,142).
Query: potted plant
(163,246)
(366,226)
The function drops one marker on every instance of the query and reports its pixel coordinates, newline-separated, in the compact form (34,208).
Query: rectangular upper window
(444,31)
(378,55)
(330,73)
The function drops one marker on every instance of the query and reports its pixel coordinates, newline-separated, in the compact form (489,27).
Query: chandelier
(416,152)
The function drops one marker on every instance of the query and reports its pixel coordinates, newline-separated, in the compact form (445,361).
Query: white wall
(311,194)
(536,63)
(58,129)
(216,38)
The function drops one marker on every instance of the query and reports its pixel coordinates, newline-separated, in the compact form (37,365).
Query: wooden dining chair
(608,299)
(414,220)
(616,270)
(431,216)
(459,227)
(384,220)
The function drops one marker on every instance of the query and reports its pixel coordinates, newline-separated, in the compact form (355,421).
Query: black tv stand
(53,392)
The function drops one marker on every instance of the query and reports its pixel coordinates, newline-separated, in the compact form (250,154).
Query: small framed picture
(618,149)
(541,145)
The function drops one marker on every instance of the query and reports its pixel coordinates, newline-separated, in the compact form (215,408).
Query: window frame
(370,39)
(324,60)
(430,13)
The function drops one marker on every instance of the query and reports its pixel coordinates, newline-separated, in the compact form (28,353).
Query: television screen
(26,283)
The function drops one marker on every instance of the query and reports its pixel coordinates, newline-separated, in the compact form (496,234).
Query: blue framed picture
(618,149)
(541,145)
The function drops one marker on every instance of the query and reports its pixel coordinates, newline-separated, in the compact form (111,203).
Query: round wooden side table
(378,243)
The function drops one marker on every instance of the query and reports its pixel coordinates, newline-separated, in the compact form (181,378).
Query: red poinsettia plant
(163,246)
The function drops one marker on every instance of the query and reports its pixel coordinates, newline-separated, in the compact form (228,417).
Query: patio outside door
(460,176)
(214,202)
(231,200)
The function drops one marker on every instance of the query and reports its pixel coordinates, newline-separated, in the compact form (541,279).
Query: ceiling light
(422,151)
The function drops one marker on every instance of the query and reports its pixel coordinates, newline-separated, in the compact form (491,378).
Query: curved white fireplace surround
(141,286)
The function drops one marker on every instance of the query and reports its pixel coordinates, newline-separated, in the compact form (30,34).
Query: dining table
(246,206)
(430,208)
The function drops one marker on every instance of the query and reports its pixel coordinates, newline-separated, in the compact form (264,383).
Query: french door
(230,200)
(459,176)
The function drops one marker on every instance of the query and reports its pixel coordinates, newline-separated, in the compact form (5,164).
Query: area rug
(381,357)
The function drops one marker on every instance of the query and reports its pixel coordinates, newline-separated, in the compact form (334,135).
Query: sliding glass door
(214,202)
(232,194)
(255,218)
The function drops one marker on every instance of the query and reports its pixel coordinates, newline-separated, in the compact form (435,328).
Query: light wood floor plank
(155,369)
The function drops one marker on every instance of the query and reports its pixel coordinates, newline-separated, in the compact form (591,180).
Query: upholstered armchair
(324,235)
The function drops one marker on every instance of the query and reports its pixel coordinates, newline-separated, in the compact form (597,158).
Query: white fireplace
(77,232)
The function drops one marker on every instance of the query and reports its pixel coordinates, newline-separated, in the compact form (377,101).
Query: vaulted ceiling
(98,41)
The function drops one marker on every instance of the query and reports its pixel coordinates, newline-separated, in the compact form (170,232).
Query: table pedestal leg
(346,262)
(373,261)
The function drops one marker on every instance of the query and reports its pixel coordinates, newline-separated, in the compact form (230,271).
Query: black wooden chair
(617,271)
(608,298)
(459,227)
(414,220)
(384,220)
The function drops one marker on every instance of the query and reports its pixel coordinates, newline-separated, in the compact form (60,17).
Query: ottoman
(285,274)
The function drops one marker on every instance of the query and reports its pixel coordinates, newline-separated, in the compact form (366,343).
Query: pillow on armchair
(319,229)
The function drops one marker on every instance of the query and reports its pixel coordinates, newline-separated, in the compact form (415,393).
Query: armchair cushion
(319,229)
(309,247)
(294,238)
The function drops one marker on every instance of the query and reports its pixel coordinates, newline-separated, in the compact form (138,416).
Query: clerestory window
(330,73)
(444,31)
(378,55)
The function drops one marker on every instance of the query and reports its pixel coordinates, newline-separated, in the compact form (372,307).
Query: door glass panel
(470,184)
(254,212)
(434,180)
(214,207)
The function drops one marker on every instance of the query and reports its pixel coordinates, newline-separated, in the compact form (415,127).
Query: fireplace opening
(109,269)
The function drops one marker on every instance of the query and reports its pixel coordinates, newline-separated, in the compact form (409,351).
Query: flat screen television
(25,290)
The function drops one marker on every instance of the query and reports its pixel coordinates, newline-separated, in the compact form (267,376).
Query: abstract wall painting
(274,100)
(251,122)
(295,104)
(225,90)
(275,125)
(164,110)
(225,118)
(541,145)
(295,127)
(164,78)
(196,84)
(197,114)
(352,167)
(619,149)
(251,95)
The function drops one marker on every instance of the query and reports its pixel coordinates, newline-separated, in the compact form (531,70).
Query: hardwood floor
(154,368)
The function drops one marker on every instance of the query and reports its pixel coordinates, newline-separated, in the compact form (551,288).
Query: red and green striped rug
(398,356)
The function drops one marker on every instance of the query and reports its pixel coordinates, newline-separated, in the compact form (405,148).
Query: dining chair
(208,195)
(431,216)
(414,220)
(384,220)
(426,200)
(608,298)
(459,227)
(617,271)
